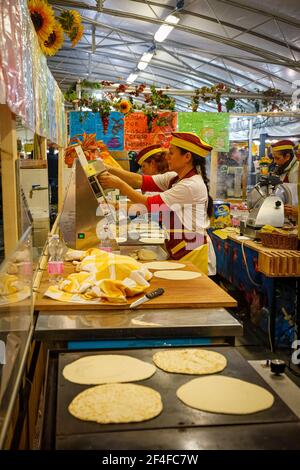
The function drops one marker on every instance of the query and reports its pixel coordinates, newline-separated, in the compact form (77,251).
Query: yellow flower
(54,41)
(76,34)
(76,17)
(124,106)
(42,16)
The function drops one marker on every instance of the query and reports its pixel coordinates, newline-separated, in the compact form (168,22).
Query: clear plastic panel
(16,315)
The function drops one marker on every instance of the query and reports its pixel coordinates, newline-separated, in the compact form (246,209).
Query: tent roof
(245,44)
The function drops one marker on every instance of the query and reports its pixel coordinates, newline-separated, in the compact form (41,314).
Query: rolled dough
(107,368)
(116,403)
(152,241)
(177,275)
(164,265)
(220,394)
(190,361)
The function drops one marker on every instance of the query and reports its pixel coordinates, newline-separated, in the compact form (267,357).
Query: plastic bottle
(56,260)
(108,243)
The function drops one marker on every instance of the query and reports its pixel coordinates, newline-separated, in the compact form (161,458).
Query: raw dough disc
(116,403)
(146,255)
(152,241)
(163,265)
(190,361)
(177,275)
(107,368)
(219,394)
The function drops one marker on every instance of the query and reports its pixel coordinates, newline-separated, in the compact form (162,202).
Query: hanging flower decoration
(50,31)
(42,16)
(72,26)
(54,42)
(124,106)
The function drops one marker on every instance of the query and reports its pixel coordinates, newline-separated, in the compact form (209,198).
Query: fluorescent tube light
(165,29)
(132,77)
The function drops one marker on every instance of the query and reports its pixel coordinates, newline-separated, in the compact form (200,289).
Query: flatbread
(107,368)
(152,241)
(145,254)
(165,265)
(177,275)
(116,403)
(190,361)
(220,394)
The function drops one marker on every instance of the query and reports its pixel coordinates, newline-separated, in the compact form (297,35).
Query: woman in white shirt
(183,199)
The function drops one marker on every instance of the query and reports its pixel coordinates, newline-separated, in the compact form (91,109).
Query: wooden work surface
(196,293)
(271,261)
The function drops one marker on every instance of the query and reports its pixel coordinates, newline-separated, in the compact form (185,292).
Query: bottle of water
(108,243)
(56,260)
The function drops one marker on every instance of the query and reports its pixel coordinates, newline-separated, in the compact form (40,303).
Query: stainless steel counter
(179,323)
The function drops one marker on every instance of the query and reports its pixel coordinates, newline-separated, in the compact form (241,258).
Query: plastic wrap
(11,56)
(28,35)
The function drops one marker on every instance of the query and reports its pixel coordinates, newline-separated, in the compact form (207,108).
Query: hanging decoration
(269,100)
(50,30)
(71,23)
(54,42)
(42,16)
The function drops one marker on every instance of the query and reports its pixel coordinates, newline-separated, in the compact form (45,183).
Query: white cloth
(291,172)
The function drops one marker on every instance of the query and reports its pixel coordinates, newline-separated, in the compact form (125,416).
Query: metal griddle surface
(175,414)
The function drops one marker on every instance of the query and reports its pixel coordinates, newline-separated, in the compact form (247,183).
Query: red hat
(148,152)
(283,145)
(191,142)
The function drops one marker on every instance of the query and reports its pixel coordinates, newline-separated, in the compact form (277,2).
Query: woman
(152,160)
(184,200)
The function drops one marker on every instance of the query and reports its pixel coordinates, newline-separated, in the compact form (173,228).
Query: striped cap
(148,152)
(283,145)
(190,142)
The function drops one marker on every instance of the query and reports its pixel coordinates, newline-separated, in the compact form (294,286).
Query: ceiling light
(165,29)
(132,77)
(142,65)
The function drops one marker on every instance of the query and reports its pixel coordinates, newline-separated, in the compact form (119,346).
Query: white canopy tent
(248,45)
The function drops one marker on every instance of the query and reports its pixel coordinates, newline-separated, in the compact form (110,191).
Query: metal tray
(175,414)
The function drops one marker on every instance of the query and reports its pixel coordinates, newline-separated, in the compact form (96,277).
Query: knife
(149,296)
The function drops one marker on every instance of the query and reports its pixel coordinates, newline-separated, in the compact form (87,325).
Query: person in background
(287,165)
(152,160)
(235,157)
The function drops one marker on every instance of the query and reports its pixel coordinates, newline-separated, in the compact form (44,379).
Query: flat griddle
(175,414)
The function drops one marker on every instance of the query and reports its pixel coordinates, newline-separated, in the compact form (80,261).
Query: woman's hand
(110,181)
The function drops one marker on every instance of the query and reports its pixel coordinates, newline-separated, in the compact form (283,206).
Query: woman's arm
(113,181)
(135,180)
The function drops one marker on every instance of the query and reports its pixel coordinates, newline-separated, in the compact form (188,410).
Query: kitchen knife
(145,298)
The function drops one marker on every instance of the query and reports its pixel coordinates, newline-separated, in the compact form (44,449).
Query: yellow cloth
(12,290)
(102,275)
(199,258)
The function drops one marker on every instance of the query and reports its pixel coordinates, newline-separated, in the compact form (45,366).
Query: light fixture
(165,29)
(132,77)
(146,58)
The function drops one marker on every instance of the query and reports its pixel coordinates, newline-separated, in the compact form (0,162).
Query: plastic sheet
(11,56)
(26,84)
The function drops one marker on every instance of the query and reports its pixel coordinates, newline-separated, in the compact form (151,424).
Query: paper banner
(213,128)
(91,123)
(138,135)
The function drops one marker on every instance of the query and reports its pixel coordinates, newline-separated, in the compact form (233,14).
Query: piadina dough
(190,361)
(116,403)
(107,368)
(177,275)
(220,394)
(152,241)
(164,265)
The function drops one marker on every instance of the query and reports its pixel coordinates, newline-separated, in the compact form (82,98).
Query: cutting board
(196,293)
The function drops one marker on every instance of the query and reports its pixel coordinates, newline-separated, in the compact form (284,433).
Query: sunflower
(54,41)
(42,16)
(124,106)
(76,34)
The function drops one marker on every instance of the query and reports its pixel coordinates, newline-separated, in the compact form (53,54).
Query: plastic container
(56,259)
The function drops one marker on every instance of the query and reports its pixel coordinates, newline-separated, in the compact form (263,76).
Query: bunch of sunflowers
(50,30)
